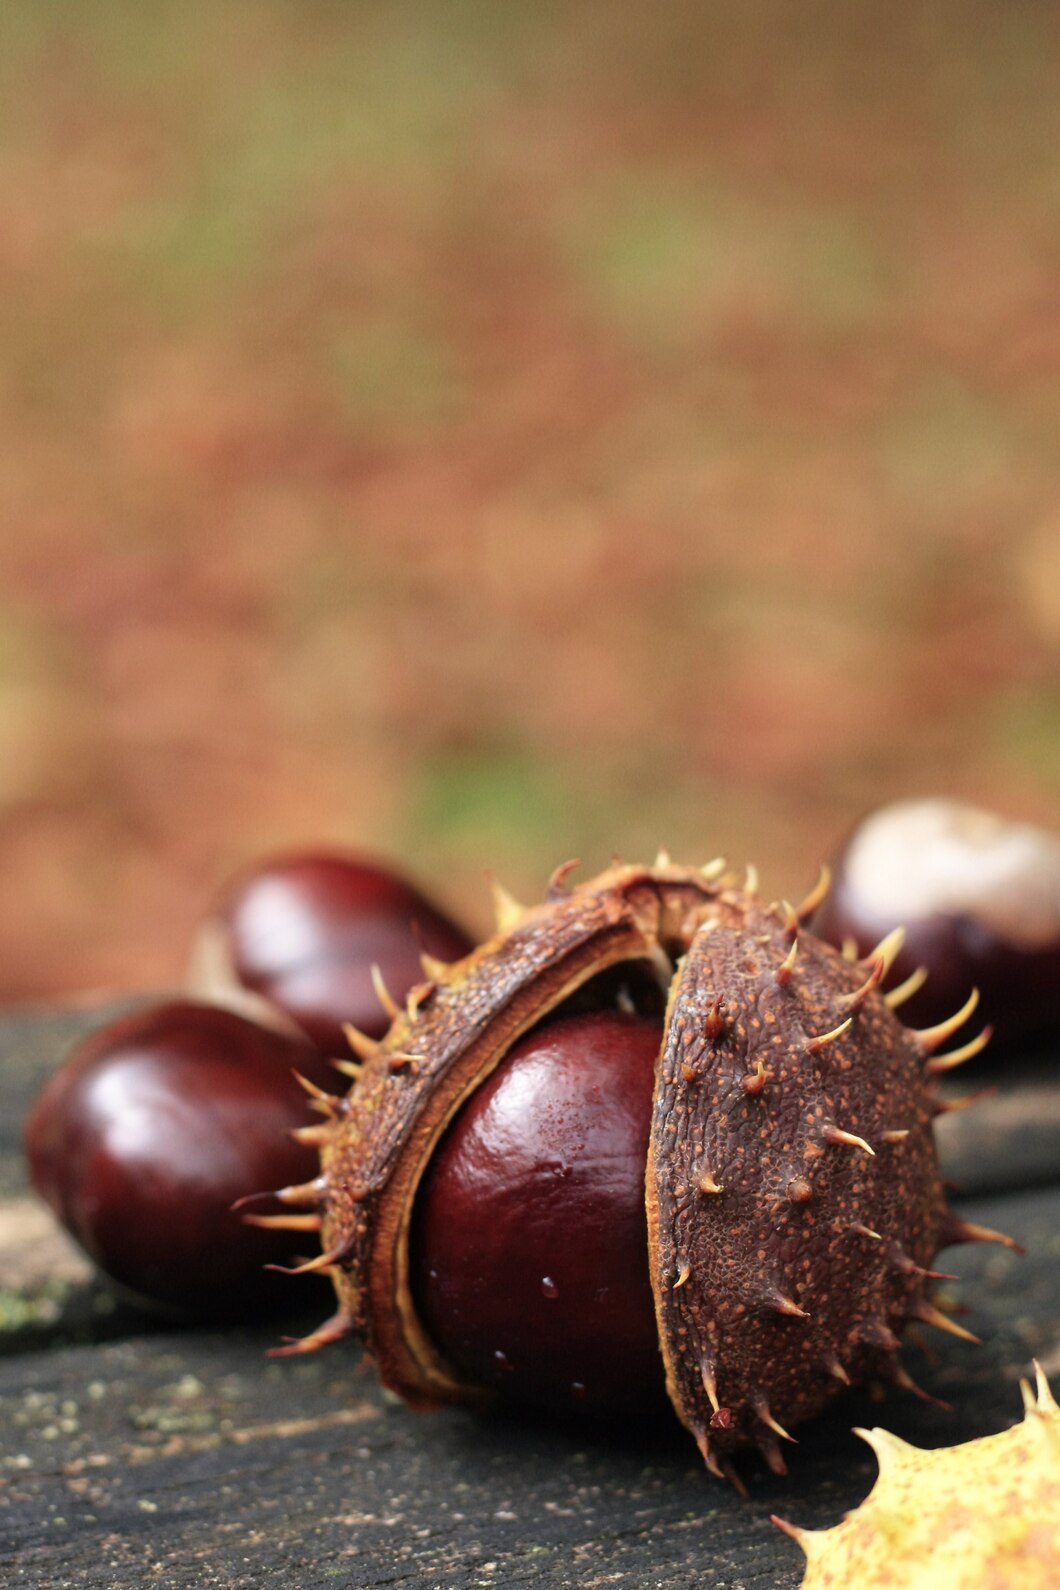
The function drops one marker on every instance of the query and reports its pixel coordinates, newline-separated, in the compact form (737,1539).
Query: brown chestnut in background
(305,930)
(979,897)
(155,1125)
(529,1245)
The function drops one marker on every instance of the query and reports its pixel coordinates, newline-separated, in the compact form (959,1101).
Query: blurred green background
(487,434)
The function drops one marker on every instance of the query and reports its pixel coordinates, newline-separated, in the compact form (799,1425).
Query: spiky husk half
(792,1193)
(969,1517)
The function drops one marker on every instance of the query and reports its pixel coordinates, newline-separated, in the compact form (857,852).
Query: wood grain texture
(132,1454)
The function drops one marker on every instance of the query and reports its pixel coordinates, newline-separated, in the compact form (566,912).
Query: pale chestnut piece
(979,898)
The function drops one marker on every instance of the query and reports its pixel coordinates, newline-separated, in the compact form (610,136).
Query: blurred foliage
(488,435)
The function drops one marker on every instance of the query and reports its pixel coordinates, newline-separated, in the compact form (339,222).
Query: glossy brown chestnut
(529,1248)
(305,931)
(979,898)
(155,1125)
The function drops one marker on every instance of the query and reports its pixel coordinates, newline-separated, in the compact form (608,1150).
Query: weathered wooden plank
(133,1454)
(1009,1140)
(186,1459)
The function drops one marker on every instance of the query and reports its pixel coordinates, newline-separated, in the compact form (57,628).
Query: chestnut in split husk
(152,1129)
(305,931)
(979,898)
(790,1192)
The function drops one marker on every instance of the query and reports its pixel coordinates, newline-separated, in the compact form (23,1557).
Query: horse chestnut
(306,930)
(156,1124)
(529,1250)
(979,898)
(789,1192)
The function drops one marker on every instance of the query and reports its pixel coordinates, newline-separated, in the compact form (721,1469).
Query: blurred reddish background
(485,435)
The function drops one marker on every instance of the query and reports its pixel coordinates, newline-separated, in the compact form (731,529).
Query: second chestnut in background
(979,898)
(305,930)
